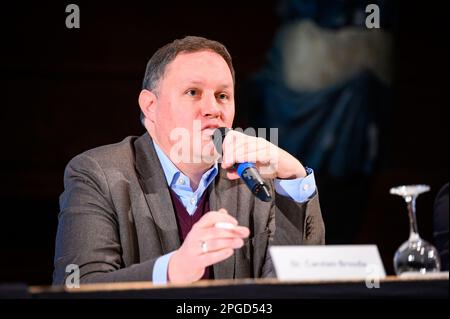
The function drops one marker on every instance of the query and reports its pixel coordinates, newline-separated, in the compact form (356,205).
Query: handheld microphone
(246,171)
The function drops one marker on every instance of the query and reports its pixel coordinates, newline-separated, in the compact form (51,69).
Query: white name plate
(332,262)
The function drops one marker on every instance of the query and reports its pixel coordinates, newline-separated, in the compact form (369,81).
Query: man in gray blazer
(165,207)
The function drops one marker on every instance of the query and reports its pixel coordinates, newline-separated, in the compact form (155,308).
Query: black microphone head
(218,137)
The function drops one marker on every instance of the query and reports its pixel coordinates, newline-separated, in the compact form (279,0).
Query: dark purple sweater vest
(185,221)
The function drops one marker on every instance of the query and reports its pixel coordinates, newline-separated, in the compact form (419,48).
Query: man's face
(195,96)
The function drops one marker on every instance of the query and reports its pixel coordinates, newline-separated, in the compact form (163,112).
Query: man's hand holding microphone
(215,236)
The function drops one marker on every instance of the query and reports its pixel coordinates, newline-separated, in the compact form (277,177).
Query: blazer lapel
(223,194)
(156,192)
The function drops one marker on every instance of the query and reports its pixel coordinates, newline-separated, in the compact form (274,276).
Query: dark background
(67,90)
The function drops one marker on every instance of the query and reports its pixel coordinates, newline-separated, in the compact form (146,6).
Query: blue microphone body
(246,171)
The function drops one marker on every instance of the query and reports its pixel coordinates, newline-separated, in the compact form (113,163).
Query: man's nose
(210,107)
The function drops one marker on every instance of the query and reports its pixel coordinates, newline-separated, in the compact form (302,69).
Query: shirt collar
(172,173)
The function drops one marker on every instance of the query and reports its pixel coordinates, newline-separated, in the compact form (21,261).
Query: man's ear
(147,102)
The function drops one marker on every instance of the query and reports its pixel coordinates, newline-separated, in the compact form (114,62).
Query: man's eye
(192,92)
(223,96)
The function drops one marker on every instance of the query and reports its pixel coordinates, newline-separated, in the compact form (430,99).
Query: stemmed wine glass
(415,255)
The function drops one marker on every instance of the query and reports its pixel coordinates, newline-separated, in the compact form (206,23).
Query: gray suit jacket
(117,218)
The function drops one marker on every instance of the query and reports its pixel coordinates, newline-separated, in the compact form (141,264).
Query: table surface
(418,286)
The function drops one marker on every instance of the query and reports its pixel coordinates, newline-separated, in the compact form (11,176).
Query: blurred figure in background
(441,225)
(327,87)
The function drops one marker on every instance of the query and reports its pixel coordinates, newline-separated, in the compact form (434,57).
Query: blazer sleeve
(298,223)
(88,234)
(292,223)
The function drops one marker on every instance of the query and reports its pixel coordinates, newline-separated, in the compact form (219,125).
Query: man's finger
(232,175)
(213,217)
(238,231)
(213,245)
(218,233)
(232,141)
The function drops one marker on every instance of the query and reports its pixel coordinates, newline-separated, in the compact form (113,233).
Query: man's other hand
(205,245)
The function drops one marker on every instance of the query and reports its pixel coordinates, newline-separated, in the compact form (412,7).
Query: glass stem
(411,204)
